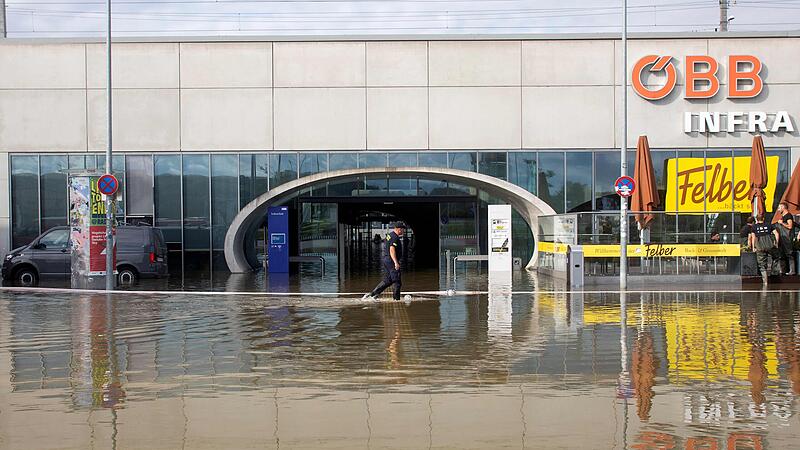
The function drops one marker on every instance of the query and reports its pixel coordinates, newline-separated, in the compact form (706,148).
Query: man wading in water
(391,263)
(764,240)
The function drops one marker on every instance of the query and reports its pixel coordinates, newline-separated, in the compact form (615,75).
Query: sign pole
(109,165)
(623,155)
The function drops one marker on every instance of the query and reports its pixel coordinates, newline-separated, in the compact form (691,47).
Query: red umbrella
(758,176)
(645,197)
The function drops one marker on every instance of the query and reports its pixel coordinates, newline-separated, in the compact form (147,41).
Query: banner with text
(724,183)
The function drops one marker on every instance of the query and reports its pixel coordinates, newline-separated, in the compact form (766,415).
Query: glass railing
(674,243)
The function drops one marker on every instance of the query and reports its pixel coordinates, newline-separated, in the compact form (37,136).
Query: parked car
(141,253)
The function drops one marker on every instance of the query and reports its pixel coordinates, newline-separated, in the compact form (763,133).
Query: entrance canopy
(252,215)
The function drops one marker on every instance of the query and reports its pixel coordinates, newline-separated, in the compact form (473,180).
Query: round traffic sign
(107,184)
(624,186)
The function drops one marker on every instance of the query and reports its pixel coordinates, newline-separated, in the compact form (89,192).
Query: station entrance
(343,217)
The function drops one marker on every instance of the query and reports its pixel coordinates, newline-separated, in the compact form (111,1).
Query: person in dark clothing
(391,263)
(784,225)
(764,241)
(747,229)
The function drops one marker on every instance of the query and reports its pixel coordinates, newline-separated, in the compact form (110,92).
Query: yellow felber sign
(726,182)
(552,247)
(648,250)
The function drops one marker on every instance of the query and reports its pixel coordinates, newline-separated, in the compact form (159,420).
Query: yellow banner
(726,181)
(551,247)
(648,250)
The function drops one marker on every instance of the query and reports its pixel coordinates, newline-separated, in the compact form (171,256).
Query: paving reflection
(591,370)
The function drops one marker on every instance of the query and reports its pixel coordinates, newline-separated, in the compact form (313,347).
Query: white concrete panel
(779,57)
(134,65)
(773,98)
(568,63)
(677,48)
(474,63)
(568,117)
(26,66)
(320,118)
(42,120)
(226,64)
(661,121)
(319,64)
(397,63)
(144,119)
(397,118)
(226,119)
(487,117)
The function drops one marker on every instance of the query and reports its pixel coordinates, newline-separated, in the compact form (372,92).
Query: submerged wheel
(26,276)
(127,276)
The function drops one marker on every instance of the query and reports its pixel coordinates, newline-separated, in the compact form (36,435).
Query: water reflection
(663,370)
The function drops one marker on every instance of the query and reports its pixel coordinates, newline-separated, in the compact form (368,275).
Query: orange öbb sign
(700,76)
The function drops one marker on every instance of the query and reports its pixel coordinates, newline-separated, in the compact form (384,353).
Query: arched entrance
(248,219)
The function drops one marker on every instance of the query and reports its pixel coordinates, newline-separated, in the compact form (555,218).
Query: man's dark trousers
(392,276)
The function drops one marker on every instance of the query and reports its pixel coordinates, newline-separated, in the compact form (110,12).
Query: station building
(204,126)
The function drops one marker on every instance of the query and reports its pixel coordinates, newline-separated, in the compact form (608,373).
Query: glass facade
(193,197)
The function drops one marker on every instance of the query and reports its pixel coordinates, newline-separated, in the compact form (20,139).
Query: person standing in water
(391,263)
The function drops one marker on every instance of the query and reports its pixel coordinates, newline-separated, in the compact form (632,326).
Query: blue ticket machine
(278,230)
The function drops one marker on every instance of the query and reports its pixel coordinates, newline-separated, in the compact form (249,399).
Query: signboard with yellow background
(725,180)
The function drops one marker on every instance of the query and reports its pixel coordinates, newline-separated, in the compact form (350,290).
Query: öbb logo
(701,81)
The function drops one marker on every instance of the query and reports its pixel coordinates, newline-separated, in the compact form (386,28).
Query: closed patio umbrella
(645,198)
(758,176)
(792,194)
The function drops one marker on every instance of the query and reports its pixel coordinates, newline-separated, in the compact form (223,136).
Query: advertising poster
(97,231)
(79,218)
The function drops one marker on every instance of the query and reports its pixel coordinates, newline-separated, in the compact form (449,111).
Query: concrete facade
(362,94)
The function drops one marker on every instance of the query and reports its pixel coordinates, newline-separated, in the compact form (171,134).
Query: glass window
(432,159)
(579,181)
(82,162)
(688,194)
(224,197)
(522,170)
(402,160)
(782,180)
(493,164)
(24,199)
(606,172)
(195,202)
(371,160)
(139,184)
(403,186)
(55,239)
(660,160)
(341,161)
(312,163)
(463,161)
(715,176)
(428,186)
(551,179)
(282,168)
(54,191)
(167,193)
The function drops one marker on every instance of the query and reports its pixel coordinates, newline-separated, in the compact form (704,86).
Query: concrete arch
(528,205)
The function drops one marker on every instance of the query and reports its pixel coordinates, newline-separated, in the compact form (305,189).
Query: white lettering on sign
(737,121)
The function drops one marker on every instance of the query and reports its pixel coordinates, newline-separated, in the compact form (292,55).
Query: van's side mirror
(38,246)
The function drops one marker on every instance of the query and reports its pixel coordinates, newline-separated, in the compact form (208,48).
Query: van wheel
(127,276)
(26,276)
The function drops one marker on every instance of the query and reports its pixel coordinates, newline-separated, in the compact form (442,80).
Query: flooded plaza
(708,370)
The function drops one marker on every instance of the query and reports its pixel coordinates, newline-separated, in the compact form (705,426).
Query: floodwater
(548,370)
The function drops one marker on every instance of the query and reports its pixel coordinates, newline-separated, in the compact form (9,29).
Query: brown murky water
(549,370)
